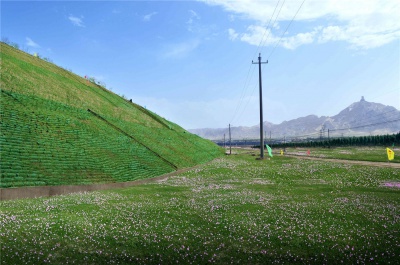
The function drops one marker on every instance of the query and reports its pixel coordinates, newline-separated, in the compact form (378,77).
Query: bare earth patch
(392,184)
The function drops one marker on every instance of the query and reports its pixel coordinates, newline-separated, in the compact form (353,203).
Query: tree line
(383,140)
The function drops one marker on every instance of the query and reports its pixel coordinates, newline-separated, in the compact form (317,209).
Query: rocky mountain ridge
(360,118)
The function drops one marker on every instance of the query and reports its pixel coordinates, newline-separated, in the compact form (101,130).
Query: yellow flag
(390,154)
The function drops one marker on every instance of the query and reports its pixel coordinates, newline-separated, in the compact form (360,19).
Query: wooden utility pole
(261,106)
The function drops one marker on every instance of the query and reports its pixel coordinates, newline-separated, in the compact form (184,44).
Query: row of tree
(384,140)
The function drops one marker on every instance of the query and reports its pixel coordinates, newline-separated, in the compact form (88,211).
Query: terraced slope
(58,129)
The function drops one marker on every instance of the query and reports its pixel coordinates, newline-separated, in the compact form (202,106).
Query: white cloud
(149,16)
(297,40)
(358,38)
(190,23)
(31,43)
(193,14)
(364,24)
(232,34)
(181,50)
(332,33)
(257,34)
(76,21)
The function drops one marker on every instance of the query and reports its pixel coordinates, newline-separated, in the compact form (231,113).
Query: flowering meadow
(366,153)
(234,210)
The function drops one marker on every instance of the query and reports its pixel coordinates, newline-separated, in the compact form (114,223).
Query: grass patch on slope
(48,143)
(233,210)
(48,136)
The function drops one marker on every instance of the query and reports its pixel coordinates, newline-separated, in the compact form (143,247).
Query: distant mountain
(360,118)
(362,113)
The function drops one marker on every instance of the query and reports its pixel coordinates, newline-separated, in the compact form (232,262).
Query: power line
(372,118)
(248,100)
(344,129)
(286,29)
(276,43)
(367,125)
(243,94)
(259,48)
(376,117)
(266,30)
(251,69)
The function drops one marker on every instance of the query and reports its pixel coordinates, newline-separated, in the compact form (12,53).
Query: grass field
(372,153)
(235,209)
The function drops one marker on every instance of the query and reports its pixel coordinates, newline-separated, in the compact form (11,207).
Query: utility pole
(261,106)
(224,140)
(265,136)
(329,140)
(322,133)
(230,143)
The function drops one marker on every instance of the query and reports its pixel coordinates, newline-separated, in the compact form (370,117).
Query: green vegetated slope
(56,128)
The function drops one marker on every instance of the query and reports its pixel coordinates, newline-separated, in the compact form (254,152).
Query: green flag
(269,151)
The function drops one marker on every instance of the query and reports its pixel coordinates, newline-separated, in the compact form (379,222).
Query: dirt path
(354,162)
(47,191)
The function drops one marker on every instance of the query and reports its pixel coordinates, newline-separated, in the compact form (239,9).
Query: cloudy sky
(191,61)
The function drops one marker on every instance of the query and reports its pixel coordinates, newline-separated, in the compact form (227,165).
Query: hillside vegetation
(57,128)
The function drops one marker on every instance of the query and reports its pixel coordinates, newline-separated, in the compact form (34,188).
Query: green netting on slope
(45,127)
(183,149)
(47,143)
(25,74)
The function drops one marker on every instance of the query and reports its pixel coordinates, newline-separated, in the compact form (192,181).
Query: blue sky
(191,61)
